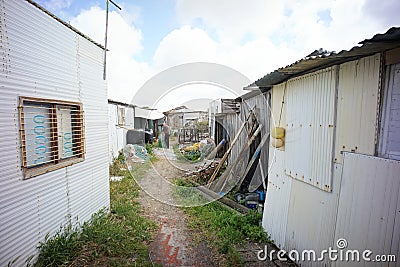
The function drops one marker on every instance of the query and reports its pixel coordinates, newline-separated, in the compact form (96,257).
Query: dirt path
(173,244)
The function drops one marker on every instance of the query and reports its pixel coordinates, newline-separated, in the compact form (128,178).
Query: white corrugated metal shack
(120,119)
(338,173)
(54,145)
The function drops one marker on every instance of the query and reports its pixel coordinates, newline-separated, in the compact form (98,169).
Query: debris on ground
(136,153)
(202,173)
(200,150)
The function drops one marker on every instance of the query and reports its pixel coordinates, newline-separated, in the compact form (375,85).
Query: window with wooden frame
(52,134)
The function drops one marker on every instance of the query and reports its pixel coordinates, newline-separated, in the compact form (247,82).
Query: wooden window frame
(78,136)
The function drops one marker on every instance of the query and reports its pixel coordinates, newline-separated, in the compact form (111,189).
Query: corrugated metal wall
(369,205)
(390,135)
(357,106)
(310,123)
(117,135)
(311,218)
(42,58)
(279,185)
(276,207)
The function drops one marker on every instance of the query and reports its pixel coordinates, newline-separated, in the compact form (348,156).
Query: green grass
(179,155)
(117,238)
(223,228)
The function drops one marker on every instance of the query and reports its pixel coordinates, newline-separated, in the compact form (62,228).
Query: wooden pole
(240,158)
(258,151)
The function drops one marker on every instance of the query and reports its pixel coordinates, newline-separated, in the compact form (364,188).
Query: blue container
(261,194)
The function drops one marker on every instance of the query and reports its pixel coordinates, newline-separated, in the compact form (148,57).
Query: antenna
(105,37)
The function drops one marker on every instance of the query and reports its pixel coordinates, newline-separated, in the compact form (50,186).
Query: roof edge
(64,23)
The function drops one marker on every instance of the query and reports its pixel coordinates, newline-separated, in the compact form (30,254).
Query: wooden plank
(253,159)
(392,56)
(237,160)
(216,149)
(224,200)
(225,157)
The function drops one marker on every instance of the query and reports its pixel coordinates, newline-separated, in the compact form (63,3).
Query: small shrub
(192,155)
(149,148)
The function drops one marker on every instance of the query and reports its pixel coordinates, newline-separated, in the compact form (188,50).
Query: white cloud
(56,5)
(256,37)
(124,74)
(184,45)
(253,37)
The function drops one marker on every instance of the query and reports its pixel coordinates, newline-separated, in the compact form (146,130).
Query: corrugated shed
(369,205)
(310,114)
(357,106)
(42,58)
(117,133)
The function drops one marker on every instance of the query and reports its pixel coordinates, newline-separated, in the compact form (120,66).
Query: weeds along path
(173,244)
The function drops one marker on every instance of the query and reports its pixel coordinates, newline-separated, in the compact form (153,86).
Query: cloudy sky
(254,37)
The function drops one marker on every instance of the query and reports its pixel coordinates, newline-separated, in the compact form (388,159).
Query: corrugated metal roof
(110,101)
(63,22)
(320,59)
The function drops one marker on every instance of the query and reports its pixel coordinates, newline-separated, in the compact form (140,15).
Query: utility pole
(105,37)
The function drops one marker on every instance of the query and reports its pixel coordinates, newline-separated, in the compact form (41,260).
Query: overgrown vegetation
(225,228)
(117,238)
(178,153)
(118,166)
(149,148)
(222,227)
(192,155)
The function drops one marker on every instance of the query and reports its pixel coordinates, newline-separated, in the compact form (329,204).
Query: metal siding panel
(311,217)
(390,138)
(276,205)
(369,202)
(42,58)
(309,135)
(279,185)
(357,106)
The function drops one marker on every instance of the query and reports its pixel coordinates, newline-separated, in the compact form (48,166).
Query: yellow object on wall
(278,132)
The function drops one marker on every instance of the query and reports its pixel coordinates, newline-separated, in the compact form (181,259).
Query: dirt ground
(174,243)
